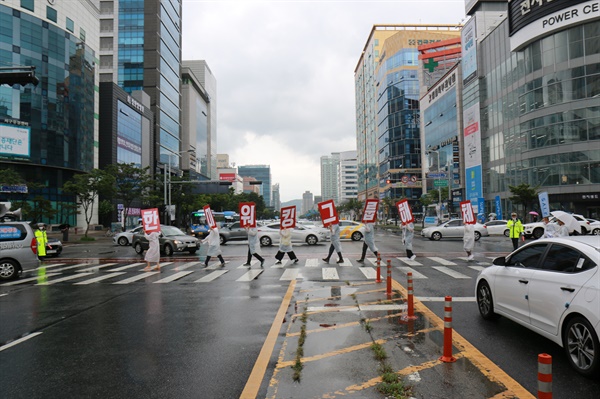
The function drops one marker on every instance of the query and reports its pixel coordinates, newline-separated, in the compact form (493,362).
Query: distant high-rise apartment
(262,173)
(276,197)
(308,202)
(348,178)
(222,160)
(330,177)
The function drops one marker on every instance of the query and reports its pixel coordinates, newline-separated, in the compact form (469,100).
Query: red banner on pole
(404,211)
(210,219)
(287,217)
(468,215)
(370,211)
(247,214)
(150,220)
(328,213)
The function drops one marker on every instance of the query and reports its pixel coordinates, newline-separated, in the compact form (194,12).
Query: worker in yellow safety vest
(42,239)
(515,228)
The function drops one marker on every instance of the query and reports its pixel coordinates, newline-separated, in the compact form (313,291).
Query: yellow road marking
(262,361)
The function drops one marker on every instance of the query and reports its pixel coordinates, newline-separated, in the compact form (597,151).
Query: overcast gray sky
(285,75)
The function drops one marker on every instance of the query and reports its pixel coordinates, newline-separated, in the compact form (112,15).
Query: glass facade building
(262,173)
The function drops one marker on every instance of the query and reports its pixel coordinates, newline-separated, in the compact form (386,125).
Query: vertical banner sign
(288,217)
(404,211)
(544,204)
(328,213)
(498,208)
(210,219)
(150,220)
(247,214)
(468,215)
(370,211)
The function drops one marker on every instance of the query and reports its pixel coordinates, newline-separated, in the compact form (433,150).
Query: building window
(82,34)
(70,25)
(51,14)
(27,4)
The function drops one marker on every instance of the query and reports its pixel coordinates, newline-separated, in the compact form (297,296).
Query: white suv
(18,249)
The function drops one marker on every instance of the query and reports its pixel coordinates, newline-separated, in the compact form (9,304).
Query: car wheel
(138,248)
(436,235)
(265,241)
(485,302)
(192,251)
(168,250)
(222,240)
(581,346)
(477,236)
(506,233)
(596,232)
(538,232)
(584,231)
(123,241)
(312,240)
(8,270)
(356,236)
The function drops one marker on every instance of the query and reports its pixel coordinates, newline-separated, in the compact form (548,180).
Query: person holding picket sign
(285,246)
(336,245)
(253,246)
(369,241)
(408,232)
(214,246)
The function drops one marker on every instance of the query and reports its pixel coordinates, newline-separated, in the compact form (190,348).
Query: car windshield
(169,231)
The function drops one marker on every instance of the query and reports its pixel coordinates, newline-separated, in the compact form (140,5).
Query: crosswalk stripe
(95,268)
(409,262)
(289,274)
(186,266)
(442,261)
(62,269)
(214,266)
(374,262)
(26,280)
(345,263)
(103,277)
(210,277)
(173,277)
(279,266)
(415,274)
(450,272)
(136,277)
(330,273)
(252,263)
(67,278)
(118,269)
(165,264)
(312,262)
(368,272)
(46,266)
(250,275)
(478,268)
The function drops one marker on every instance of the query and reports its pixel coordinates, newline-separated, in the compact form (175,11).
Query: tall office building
(262,173)
(223,161)
(330,177)
(348,176)
(308,202)
(387,108)
(276,199)
(49,131)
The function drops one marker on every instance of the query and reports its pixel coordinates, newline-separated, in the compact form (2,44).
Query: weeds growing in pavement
(379,351)
(297,367)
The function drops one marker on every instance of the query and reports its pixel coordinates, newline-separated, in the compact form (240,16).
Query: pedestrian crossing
(194,272)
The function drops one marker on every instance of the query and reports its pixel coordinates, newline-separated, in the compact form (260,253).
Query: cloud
(285,75)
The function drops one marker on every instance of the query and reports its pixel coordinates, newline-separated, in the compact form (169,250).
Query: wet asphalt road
(189,340)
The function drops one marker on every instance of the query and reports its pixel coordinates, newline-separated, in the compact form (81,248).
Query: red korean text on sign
(468,215)
(210,219)
(288,217)
(404,211)
(328,213)
(150,220)
(370,211)
(247,214)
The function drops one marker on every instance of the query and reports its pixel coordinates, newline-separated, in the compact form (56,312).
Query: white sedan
(269,234)
(497,227)
(552,287)
(452,229)
(125,237)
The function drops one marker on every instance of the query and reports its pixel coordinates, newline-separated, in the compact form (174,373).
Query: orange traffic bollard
(544,376)
(447,356)
(378,269)
(389,277)
(411,303)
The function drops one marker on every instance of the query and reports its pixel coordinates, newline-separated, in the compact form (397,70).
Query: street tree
(87,187)
(524,195)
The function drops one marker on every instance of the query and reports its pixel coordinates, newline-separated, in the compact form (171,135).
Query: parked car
(497,227)
(125,238)
(552,287)
(536,230)
(352,230)
(18,249)
(317,227)
(232,232)
(53,247)
(269,234)
(452,229)
(594,226)
(171,240)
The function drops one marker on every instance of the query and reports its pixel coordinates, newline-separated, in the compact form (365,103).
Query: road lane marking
(62,269)
(478,268)
(20,340)
(345,263)
(173,277)
(312,262)
(330,273)
(95,268)
(67,278)
(211,276)
(409,262)
(26,280)
(44,267)
(95,280)
(450,272)
(136,278)
(368,272)
(252,263)
(415,274)
(289,274)
(118,269)
(186,266)
(373,261)
(165,264)
(262,361)
(442,261)
(250,275)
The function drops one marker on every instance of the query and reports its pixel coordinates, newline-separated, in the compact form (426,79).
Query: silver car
(452,229)
(18,249)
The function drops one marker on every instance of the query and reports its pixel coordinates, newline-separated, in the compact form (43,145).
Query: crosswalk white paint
(408,262)
(312,262)
(27,280)
(251,275)
(450,272)
(374,262)
(136,277)
(186,266)
(345,263)
(130,266)
(289,274)
(100,278)
(330,273)
(368,272)
(415,274)
(441,261)
(165,264)
(44,266)
(95,268)
(478,268)
(212,276)
(66,278)
(173,277)
(62,269)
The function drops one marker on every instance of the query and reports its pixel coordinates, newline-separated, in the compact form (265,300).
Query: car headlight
(177,242)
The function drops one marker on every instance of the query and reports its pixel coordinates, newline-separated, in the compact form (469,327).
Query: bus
(198,225)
